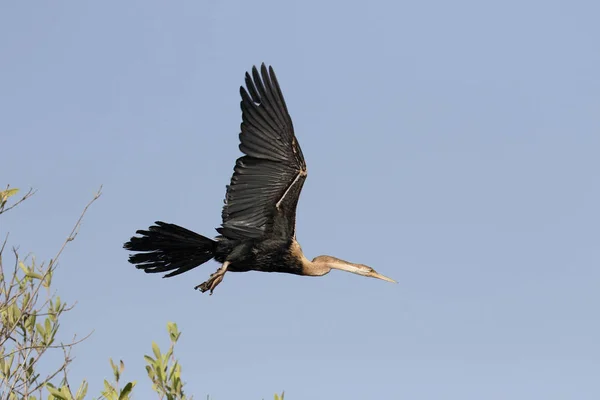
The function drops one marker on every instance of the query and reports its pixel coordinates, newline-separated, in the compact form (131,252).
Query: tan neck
(319,268)
(323,264)
(309,268)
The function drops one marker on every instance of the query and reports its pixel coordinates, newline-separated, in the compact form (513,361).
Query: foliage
(164,371)
(30,315)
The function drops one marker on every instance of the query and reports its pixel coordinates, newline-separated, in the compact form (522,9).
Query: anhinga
(259,215)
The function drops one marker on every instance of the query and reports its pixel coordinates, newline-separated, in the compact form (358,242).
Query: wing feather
(272,169)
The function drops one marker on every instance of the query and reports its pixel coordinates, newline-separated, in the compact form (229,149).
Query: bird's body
(259,215)
(270,255)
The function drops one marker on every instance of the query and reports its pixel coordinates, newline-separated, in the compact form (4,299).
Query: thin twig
(1,264)
(75,230)
(68,360)
(54,346)
(25,197)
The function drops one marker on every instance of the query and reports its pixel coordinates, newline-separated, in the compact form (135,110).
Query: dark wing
(266,181)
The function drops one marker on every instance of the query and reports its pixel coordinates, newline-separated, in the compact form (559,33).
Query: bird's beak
(377,275)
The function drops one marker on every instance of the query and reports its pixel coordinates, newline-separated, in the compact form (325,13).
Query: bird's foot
(214,280)
(210,284)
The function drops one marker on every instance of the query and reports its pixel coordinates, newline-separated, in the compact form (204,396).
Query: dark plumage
(259,215)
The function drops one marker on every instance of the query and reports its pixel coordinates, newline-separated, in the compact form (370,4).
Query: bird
(258,230)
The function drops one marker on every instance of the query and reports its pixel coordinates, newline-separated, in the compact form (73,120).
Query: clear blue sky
(453,146)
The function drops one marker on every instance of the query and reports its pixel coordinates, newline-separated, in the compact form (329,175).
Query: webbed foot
(213,280)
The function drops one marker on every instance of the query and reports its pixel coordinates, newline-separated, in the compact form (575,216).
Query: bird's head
(329,262)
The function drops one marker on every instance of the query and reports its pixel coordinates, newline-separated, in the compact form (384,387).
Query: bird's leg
(214,279)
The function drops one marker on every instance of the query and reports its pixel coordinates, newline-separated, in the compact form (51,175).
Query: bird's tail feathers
(168,247)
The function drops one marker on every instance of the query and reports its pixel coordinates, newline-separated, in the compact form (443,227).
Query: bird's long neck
(311,268)
(323,264)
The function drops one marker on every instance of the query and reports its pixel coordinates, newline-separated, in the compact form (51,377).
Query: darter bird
(258,232)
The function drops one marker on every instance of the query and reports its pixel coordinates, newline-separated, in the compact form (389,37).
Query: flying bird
(258,232)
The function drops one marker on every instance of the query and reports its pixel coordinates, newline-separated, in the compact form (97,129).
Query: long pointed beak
(382,277)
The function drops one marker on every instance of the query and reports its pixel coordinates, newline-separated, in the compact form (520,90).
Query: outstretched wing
(266,181)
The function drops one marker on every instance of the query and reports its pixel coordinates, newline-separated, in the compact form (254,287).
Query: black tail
(169,247)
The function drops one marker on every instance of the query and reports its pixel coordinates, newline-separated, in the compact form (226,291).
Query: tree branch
(25,197)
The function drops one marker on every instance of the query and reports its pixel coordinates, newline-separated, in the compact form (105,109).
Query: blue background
(452,146)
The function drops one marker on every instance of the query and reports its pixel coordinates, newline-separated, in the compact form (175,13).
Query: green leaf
(48,326)
(160,371)
(5,194)
(167,355)
(23,267)
(5,365)
(149,360)
(173,331)
(31,274)
(150,372)
(115,369)
(155,350)
(14,314)
(40,329)
(25,301)
(30,322)
(9,192)
(171,326)
(47,278)
(82,391)
(172,373)
(56,392)
(109,392)
(58,307)
(126,391)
